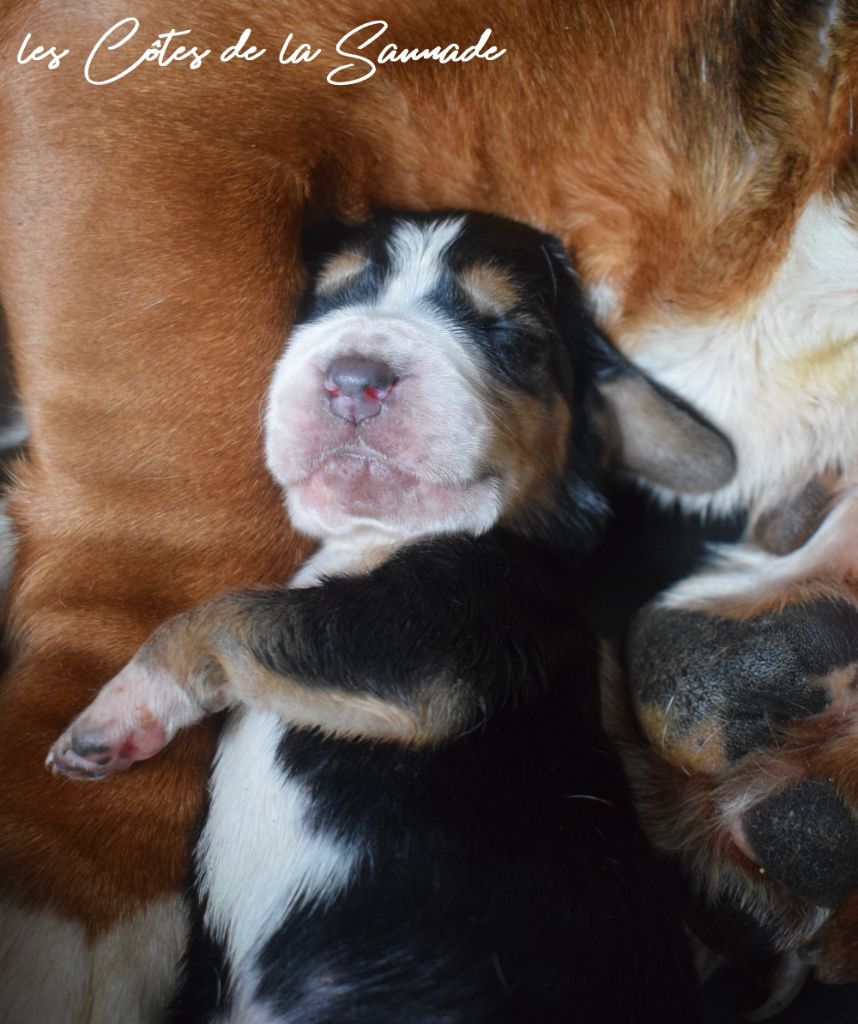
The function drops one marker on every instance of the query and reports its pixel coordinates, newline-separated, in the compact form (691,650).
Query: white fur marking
(417,252)
(748,573)
(50,974)
(604,302)
(441,432)
(779,378)
(832,16)
(258,1013)
(8,548)
(258,859)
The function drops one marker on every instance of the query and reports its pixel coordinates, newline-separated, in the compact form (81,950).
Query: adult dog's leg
(147,297)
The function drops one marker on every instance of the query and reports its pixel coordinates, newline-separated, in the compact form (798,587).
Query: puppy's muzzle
(358,386)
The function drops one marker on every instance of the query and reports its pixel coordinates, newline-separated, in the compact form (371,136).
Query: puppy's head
(444,376)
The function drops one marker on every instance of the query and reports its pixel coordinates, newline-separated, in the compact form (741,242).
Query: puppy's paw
(133,718)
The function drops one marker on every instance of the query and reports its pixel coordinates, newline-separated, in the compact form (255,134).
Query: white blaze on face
(417,261)
(417,466)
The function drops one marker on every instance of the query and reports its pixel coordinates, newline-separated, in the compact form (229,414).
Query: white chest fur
(258,857)
(781,376)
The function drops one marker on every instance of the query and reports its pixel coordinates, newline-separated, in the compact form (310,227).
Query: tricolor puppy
(414,814)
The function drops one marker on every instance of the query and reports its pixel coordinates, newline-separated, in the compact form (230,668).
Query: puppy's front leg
(415,651)
(203,661)
(180,675)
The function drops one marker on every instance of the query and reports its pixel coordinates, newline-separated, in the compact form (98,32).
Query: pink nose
(357,387)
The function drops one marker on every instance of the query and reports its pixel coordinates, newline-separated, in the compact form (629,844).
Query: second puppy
(414,814)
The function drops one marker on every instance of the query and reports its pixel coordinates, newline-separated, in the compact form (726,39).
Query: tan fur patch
(374,557)
(529,448)
(437,717)
(489,288)
(339,271)
(660,441)
(700,749)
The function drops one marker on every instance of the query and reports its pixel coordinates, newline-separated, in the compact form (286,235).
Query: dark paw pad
(807,839)
(90,748)
(698,677)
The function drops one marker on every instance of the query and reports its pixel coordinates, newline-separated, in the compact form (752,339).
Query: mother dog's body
(690,153)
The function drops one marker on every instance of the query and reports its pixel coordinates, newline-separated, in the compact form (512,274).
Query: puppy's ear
(646,428)
(653,433)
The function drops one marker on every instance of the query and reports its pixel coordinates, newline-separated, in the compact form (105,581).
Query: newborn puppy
(414,814)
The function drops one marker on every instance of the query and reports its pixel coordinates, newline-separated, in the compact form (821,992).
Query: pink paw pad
(86,751)
(132,718)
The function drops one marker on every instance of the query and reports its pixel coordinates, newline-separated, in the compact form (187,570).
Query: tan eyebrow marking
(339,270)
(489,288)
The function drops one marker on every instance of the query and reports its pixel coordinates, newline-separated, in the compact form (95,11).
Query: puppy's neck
(352,554)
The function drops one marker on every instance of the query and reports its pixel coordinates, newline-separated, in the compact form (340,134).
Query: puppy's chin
(353,490)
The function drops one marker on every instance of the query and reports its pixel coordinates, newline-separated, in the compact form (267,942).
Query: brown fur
(526,426)
(786,527)
(148,233)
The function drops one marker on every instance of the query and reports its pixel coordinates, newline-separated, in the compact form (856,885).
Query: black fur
(491,613)
(503,877)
